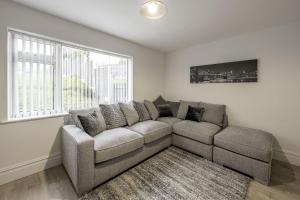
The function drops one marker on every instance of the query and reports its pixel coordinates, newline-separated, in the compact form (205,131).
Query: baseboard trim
(29,167)
(287,156)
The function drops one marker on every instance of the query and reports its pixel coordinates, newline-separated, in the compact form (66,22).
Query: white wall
(25,143)
(272,104)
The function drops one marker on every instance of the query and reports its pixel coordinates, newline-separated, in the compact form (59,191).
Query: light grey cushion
(213,113)
(152,130)
(183,108)
(116,142)
(249,142)
(68,120)
(199,131)
(142,111)
(74,115)
(152,109)
(169,120)
(113,115)
(92,123)
(130,113)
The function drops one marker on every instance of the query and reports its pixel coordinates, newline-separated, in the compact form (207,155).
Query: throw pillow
(194,114)
(130,113)
(164,110)
(174,107)
(142,111)
(183,108)
(74,120)
(214,113)
(92,123)
(113,115)
(159,101)
(154,114)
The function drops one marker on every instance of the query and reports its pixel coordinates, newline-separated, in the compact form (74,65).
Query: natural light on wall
(48,77)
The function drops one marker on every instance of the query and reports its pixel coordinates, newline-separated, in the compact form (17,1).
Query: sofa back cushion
(113,115)
(92,123)
(130,113)
(213,113)
(183,108)
(142,111)
(154,114)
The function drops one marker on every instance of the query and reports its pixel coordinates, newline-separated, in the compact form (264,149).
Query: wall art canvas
(231,72)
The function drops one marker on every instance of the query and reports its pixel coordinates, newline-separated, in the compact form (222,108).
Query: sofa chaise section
(246,150)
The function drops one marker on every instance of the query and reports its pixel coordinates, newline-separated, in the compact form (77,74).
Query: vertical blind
(50,77)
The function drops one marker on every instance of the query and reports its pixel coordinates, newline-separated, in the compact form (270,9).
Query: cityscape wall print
(231,72)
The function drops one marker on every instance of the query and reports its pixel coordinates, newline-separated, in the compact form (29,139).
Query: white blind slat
(31,102)
(24,81)
(44,78)
(38,70)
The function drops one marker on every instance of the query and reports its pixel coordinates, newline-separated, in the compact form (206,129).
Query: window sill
(32,118)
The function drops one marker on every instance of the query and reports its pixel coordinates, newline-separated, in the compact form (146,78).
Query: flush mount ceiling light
(153,9)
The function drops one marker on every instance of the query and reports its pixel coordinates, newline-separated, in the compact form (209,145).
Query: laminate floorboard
(54,184)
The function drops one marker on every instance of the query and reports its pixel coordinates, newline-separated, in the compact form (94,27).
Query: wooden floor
(54,184)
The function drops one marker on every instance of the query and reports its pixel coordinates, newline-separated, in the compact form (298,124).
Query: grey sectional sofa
(90,161)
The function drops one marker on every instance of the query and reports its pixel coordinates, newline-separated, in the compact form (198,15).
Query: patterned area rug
(174,174)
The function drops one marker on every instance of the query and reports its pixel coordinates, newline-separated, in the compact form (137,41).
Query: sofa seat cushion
(249,142)
(152,130)
(169,120)
(116,142)
(199,131)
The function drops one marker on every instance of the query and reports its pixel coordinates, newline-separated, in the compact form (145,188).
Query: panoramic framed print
(230,72)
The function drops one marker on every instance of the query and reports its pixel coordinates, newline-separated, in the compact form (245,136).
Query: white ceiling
(187,22)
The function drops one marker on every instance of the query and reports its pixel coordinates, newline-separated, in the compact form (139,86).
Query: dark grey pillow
(159,101)
(73,119)
(113,115)
(92,123)
(214,113)
(183,108)
(130,113)
(164,110)
(174,107)
(194,114)
(151,109)
(142,111)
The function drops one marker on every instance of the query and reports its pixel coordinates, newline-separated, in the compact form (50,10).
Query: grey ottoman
(246,150)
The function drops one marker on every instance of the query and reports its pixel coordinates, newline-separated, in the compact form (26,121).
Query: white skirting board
(287,156)
(29,167)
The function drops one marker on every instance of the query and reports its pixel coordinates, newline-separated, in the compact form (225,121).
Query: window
(49,77)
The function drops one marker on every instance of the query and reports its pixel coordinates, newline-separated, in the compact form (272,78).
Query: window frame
(62,43)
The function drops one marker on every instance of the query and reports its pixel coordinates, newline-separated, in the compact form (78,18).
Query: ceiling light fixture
(153,9)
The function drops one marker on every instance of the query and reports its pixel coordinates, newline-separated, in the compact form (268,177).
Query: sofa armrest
(78,157)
